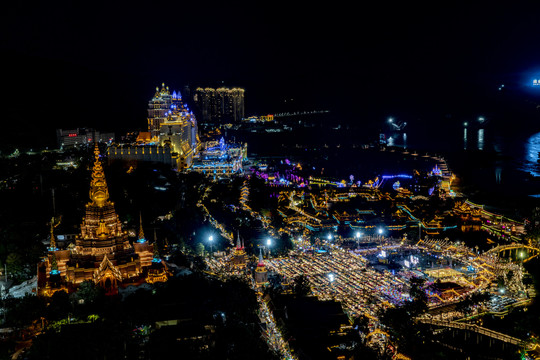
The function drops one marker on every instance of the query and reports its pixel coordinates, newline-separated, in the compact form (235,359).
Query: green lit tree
(200,249)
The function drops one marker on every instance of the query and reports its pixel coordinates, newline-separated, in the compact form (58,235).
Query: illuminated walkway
(530,252)
(477,329)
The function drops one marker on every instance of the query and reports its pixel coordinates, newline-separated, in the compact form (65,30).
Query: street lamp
(329,237)
(268,244)
(380,232)
(211,241)
(357,236)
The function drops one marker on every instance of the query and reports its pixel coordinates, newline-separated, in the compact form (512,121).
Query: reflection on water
(465,139)
(397,139)
(480,139)
(532,150)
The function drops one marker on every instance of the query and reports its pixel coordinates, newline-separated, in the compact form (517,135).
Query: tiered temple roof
(102,252)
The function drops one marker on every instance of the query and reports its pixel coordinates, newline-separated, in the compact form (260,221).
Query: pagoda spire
(141,232)
(261,262)
(52,246)
(99,192)
(156,258)
(238,243)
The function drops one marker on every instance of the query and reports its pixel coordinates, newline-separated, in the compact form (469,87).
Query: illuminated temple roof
(102,252)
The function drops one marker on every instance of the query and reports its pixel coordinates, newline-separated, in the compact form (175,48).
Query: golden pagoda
(102,252)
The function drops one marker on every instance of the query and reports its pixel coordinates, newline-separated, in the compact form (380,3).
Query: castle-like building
(102,252)
(172,133)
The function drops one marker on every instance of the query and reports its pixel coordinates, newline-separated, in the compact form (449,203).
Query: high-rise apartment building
(221,105)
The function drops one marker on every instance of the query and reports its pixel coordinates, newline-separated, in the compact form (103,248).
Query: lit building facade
(101,254)
(179,132)
(81,136)
(221,105)
(134,154)
(220,159)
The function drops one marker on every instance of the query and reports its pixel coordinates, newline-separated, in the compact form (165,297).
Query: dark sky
(97,63)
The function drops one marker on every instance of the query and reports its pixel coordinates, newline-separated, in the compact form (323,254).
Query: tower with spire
(158,109)
(239,257)
(261,275)
(142,247)
(141,238)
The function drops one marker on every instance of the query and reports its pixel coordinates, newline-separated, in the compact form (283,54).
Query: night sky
(96,64)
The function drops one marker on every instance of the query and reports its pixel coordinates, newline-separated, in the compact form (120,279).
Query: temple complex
(102,252)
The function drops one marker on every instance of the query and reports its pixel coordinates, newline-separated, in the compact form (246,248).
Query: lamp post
(268,244)
(380,232)
(211,240)
(357,236)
